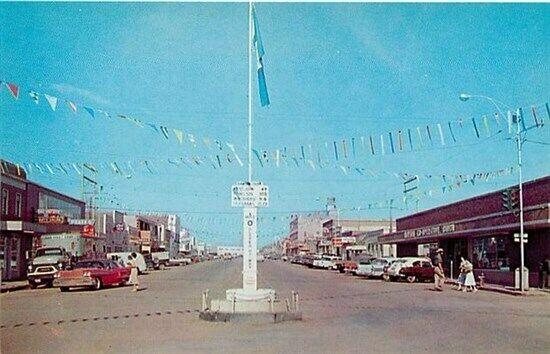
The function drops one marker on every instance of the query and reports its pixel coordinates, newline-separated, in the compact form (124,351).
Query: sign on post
(516,237)
(254,194)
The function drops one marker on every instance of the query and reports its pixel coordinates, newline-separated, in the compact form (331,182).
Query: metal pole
(521,247)
(250,92)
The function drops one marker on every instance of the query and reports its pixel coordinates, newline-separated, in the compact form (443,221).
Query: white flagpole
(250,92)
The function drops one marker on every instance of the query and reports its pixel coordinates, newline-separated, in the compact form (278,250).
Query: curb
(496,289)
(14,288)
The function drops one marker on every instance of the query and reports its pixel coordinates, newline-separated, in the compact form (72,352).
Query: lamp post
(465,97)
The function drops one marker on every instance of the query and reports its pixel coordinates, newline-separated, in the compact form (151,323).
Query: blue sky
(334,71)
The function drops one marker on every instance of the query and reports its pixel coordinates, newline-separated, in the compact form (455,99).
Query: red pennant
(14,89)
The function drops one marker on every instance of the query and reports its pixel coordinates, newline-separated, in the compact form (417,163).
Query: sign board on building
(88,231)
(254,194)
(339,241)
(119,227)
(81,221)
(516,237)
(51,216)
(430,231)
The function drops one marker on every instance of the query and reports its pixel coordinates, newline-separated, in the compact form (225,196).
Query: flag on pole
(257,42)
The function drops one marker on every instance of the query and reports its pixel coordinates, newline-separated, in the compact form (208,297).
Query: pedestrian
(544,270)
(133,272)
(439,274)
(469,280)
(462,274)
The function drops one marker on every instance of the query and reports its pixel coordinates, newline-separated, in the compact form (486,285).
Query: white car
(364,267)
(393,271)
(379,264)
(326,262)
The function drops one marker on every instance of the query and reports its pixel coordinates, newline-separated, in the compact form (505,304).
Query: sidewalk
(14,285)
(505,289)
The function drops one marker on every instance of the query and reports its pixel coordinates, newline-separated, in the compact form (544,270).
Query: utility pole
(521,238)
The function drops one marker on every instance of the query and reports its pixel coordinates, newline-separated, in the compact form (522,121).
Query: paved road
(342,314)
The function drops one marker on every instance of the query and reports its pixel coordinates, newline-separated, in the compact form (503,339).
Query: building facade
(28,212)
(482,229)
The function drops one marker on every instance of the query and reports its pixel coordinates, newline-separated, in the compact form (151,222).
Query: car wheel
(97,285)
(161,266)
(49,284)
(411,278)
(32,284)
(64,289)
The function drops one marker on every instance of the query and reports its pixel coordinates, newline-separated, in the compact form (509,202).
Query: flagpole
(250,91)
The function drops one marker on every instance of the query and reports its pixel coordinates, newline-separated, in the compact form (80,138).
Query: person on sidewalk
(544,270)
(462,274)
(134,280)
(439,275)
(469,280)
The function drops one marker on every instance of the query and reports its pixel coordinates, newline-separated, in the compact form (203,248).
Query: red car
(420,271)
(93,274)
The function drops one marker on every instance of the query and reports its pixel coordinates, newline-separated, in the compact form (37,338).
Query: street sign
(516,237)
(254,194)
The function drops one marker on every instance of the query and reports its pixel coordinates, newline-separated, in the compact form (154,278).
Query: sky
(334,72)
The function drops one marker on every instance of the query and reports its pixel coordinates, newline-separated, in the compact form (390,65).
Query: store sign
(339,241)
(81,221)
(88,230)
(430,231)
(51,216)
(119,227)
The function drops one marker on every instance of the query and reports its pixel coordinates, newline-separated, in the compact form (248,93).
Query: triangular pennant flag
(258,157)
(441,134)
(391,144)
(14,89)
(179,135)
(72,106)
(382,145)
(34,96)
(164,131)
(90,111)
(153,126)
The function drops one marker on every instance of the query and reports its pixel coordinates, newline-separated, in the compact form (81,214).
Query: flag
(153,126)
(257,42)
(14,89)
(52,101)
(90,111)
(179,135)
(72,106)
(441,134)
(34,96)
(164,131)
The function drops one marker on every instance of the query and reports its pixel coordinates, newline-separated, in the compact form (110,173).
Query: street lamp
(465,97)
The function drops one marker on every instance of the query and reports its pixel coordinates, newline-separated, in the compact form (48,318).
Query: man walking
(544,269)
(439,275)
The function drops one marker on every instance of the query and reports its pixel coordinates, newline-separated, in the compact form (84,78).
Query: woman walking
(133,272)
(469,281)
(462,274)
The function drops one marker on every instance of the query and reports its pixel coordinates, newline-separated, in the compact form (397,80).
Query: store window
(491,253)
(18,205)
(5,201)
(46,201)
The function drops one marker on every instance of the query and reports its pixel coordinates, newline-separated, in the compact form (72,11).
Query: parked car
(419,271)
(376,267)
(364,266)
(176,262)
(309,259)
(284,258)
(93,274)
(260,258)
(296,260)
(46,263)
(393,272)
(161,259)
(326,262)
(123,258)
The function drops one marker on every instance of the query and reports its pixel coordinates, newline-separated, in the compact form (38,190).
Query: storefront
(482,230)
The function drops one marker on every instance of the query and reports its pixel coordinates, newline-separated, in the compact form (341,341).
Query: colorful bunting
(14,89)
(52,101)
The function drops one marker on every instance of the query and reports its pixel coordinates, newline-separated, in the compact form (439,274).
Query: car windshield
(49,252)
(88,264)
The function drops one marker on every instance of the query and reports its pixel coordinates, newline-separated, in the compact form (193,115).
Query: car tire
(32,284)
(97,285)
(411,278)
(385,277)
(64,289)
(49,284)
(161,266)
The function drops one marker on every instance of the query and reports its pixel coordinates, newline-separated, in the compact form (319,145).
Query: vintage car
(93,274)
(352,265)
(326,262)
(421,270)
(375,268)
(394,271)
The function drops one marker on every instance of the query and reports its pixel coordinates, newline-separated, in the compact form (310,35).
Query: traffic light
(514,200)
(507,199)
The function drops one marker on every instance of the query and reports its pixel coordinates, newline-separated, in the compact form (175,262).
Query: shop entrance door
(457,248)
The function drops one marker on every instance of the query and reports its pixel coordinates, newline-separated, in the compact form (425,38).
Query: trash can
(525,279)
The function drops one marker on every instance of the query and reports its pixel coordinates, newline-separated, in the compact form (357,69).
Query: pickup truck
(161,259)
(46,263)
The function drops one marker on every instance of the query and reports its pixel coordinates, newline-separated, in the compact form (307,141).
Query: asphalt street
(342,314)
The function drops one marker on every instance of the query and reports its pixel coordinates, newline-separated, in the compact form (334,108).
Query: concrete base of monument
(260,306)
